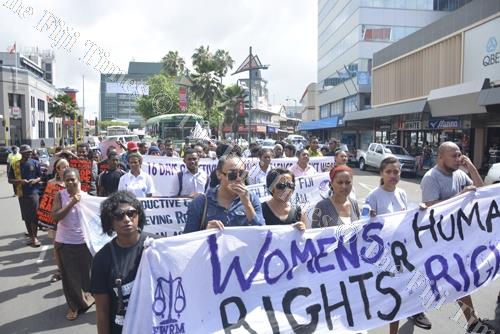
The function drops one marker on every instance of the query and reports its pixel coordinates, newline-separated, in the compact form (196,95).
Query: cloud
(283,33)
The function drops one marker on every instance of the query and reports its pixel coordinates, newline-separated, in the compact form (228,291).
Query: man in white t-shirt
(447,180)
(193,180)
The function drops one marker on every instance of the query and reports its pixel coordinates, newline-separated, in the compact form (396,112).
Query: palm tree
(223,62)
(63,107)
(233,96)
(208,68)
(173,64)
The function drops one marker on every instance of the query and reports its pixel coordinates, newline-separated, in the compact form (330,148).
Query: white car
(493,175)
(268,143)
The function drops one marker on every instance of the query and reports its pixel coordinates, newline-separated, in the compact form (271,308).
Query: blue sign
(491,45)
(444,123)
(272,129)
(363,78)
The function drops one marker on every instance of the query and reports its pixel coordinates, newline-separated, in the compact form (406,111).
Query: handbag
(202,224)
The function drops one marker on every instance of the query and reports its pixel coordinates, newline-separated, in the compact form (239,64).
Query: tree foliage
(209,70)
(163,98)
(62,106)
(173,64)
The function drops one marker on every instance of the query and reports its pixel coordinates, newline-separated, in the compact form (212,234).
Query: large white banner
(279,280)
(167,216)
(164,170)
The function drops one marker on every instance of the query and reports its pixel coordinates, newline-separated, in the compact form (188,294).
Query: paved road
(29,303)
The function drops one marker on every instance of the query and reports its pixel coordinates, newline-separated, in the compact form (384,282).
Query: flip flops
(55,277)
(71,315)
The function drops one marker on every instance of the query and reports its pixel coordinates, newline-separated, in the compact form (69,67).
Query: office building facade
(349,33)
(119,93)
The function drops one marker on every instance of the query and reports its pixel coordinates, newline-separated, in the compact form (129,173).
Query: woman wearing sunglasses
(278,210)
(72,252)
(228,204)
(115,266)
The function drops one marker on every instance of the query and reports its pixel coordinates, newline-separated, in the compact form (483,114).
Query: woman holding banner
(339,208)
(388,198)
(115,265)
(228,204)
(136,181)
(278,210)
(74,256)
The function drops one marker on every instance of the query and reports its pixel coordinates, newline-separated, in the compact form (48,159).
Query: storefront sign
(444,123)
(272,129)
(411,125)
(482,52)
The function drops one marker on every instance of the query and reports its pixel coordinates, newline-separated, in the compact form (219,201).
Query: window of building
(41,129)
(41,105)
(404,4)
(336,108)
(338,49)
(33,102)
(324,111)
(385,33)
(350,104)
(15,100)
(51,130)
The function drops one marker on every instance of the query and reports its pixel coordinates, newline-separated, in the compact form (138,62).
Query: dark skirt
(75,262)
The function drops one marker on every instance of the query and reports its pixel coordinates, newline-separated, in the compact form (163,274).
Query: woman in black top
(115,266)
(278,210)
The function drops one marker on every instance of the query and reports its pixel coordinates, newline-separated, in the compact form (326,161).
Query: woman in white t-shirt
(388,198)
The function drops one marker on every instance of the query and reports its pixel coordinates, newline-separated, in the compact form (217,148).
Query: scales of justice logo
(170,298)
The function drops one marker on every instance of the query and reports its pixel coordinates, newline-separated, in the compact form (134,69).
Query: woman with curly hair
(115,266)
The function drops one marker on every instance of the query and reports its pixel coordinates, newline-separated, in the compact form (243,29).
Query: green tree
(232,98)
(173,64)
(163,98)
(63,107)
(209,69)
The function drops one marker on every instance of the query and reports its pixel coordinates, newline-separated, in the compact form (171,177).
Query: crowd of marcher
(219,200)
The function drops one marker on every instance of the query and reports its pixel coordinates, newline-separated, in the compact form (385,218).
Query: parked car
(351,158)
(377,152)
(4,153)
(493,175)
(43,155)
(268,143)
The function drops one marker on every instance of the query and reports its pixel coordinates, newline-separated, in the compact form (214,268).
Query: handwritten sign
(44,212)
(85,168)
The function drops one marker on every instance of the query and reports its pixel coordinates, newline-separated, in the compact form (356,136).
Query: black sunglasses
(283,186)
(120,214)
(232,175)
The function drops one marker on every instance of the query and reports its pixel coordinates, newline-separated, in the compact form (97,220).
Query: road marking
(367,187)
(42,254)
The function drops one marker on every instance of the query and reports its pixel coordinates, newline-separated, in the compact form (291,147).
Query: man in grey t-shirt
(444,181)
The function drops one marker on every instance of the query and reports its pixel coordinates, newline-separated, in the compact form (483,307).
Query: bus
(175,127)
(116,130)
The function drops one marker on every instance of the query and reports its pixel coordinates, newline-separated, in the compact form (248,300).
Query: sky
(283,33)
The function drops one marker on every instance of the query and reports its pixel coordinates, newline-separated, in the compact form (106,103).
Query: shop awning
(488,97)
(390,110)
(461,99)
(325,123)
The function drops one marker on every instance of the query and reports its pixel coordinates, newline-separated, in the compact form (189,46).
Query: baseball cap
(131,146)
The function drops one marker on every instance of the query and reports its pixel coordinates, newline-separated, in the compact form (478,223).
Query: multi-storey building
(118,101)
(25,90)
(349,33)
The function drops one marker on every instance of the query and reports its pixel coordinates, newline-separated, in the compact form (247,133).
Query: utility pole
(251,63)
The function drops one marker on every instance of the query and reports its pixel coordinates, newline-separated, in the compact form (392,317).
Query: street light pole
(250,101)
